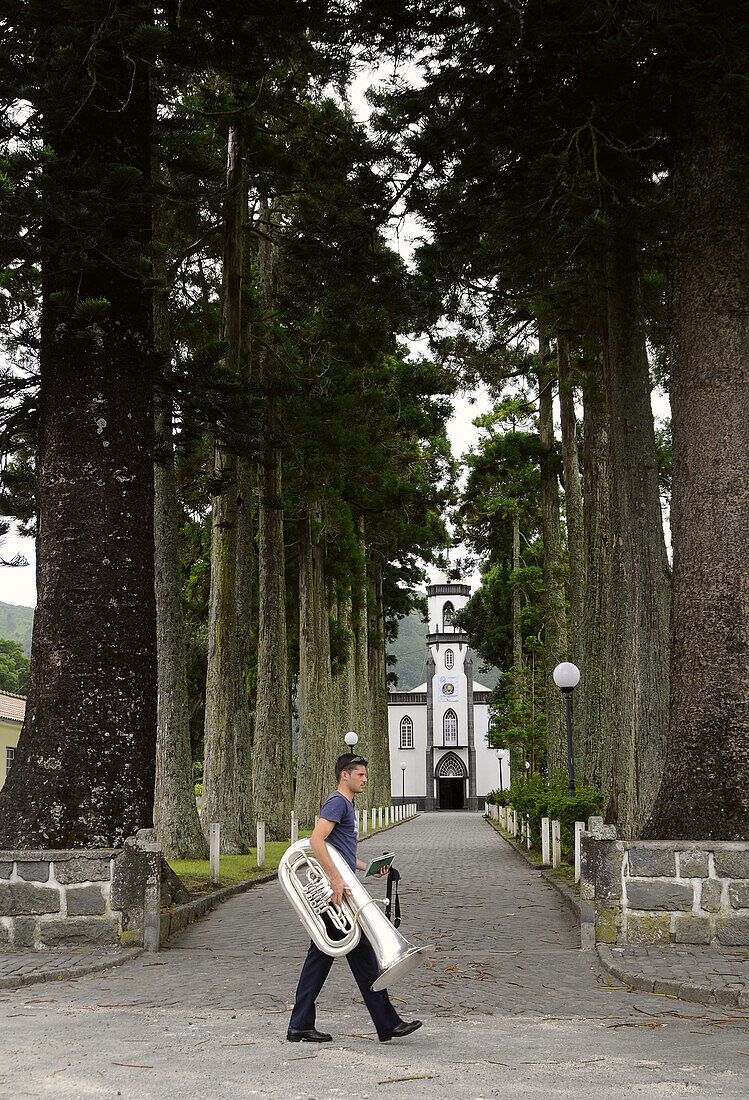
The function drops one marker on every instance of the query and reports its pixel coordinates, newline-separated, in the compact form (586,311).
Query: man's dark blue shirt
(342,836)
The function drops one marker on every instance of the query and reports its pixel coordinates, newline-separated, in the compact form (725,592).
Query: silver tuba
(309,891)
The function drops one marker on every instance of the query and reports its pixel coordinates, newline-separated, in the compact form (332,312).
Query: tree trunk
(85,764)
(342,697)
(517,633)
(362,701)
(272,759)
(379,740)
(316,756)
(595,699)
(273,751)
(705,790)
(227,770)
(643,628)
(175,811)
(573,498)
(555,611)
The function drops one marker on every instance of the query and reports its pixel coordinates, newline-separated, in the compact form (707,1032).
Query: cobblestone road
(509,1003)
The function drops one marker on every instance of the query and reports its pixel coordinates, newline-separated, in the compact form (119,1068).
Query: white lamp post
(567,677)
(500,755)
(351,738)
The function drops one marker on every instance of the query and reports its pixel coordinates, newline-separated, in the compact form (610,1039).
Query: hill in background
(409,648)
(410,651)
(16,623)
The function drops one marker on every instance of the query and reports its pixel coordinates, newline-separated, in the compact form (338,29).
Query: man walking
(337,826)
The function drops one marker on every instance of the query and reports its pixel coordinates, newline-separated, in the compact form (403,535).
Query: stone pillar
(545,848)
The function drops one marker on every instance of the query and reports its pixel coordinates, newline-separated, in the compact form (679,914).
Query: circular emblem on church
(448,689)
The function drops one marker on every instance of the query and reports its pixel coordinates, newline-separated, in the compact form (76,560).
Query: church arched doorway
(451,775)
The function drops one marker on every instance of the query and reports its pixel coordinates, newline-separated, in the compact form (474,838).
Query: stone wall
(68,898)
(663,891)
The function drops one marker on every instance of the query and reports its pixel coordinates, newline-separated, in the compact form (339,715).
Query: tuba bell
(307,887)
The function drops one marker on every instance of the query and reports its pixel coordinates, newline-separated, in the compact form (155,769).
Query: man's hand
(339,888)
(382,872)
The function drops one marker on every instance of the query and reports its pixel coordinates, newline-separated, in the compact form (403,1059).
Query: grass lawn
(195,872)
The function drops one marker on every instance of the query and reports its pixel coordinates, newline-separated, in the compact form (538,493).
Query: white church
(440,757)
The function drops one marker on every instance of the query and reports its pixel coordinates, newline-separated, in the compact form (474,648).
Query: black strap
(393,911)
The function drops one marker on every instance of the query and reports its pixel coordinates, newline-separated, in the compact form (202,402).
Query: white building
(439,729)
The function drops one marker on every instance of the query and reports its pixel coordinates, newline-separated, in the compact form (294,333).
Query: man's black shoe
(307,1035)
(403,1028)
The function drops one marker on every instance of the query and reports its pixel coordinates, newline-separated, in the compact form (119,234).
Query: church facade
(440,757)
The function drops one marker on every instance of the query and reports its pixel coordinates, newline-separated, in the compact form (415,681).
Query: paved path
(510,1005)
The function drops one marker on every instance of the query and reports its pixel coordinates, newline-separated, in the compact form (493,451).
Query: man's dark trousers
(364,968)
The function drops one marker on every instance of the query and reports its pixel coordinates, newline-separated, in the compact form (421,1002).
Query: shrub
(537,797)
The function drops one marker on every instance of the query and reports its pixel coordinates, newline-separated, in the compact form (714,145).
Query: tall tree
(642,683)
(84,772)
(175,809)
(555,610)
(316,747)
(227,783)
(272,781)
(704,793)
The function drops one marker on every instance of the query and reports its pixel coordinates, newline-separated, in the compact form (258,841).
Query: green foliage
(537,797)
(14,667)
(340,645)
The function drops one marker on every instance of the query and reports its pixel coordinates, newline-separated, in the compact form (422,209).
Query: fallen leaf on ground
(416,1077)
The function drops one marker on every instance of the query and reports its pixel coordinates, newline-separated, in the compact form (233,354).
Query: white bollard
(214,840)
(579,830)
(294,828)
(556,844)
(364,817)
(379,817)
(357,817)
(514,822)
(528,831)
(545,850)
(261,844)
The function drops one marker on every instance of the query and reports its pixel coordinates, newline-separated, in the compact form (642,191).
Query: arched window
(449,658)
(451,767)
(448,614)
(407,733)
(450,727)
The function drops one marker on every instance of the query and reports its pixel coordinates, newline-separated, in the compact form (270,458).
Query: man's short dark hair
(347,763)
